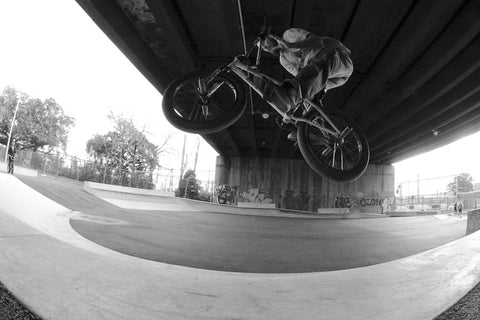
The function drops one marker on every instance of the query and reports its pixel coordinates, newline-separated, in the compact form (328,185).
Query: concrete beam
(178,40)
(442,110)
(300,13)
(461,31)
(367,41)
(414,35)
(427,142)
(452,75)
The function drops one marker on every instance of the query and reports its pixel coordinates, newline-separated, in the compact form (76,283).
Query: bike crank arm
(323,115)
(315,124)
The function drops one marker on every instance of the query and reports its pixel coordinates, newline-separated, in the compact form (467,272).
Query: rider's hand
(281,44)
(268,44)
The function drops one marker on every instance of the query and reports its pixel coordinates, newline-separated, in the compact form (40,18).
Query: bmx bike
(199,102)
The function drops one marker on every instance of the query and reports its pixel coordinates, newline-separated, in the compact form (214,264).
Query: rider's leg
(283,96)
(324,73)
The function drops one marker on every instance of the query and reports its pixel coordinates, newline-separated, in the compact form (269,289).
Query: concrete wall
(473,222)
(292,184)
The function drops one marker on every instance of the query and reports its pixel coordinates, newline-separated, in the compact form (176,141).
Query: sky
(51,48)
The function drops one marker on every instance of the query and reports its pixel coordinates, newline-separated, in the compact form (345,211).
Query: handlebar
(264,32)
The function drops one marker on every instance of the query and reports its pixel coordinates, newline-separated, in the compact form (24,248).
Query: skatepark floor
(466,308)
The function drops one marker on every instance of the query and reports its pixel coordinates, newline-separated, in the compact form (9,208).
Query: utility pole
(196,156)
(183,156)
(418,188)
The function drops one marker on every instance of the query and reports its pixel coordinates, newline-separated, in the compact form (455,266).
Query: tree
(465,183)
(126,151)
(39,124)
(188,186)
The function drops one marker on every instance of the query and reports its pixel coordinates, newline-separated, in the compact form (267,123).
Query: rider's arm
(312,41)
(270,45)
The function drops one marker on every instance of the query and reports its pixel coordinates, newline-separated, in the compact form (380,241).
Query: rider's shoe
(284,125)
(292,136)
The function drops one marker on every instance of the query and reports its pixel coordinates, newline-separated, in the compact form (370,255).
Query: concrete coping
(256,205)
(130,190)
(333,210)
(97,283)
(411,213)
(19,170)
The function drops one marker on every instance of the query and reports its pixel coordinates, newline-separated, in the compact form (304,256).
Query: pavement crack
(22,236)
(201,294)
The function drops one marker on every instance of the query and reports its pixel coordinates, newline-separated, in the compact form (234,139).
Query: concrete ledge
(411,213)
(333,210)
(256,205)
(121,189)
(370,209)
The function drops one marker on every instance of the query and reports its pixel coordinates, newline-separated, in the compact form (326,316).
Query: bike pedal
(292,136)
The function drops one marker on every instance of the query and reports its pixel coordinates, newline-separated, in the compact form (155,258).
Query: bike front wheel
(340,152)
(201,104)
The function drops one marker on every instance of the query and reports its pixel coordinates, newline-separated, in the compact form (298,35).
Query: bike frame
(247,73)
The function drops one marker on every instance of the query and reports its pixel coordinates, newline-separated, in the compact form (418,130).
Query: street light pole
(11,130)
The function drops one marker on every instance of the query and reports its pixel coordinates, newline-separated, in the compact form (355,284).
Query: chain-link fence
(433,194)
(60,164)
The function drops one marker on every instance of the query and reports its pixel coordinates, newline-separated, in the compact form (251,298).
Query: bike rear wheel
(340,157)
(194,103)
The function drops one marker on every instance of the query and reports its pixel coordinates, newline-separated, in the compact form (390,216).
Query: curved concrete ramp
(61,278)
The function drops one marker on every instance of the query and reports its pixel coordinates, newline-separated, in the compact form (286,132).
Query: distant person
(459,209)
(11,157)
(454,209)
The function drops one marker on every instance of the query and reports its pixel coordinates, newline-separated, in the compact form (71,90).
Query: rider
(317,64)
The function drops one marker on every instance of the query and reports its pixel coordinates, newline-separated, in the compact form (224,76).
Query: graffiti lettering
(225,194)
(254,195)
(342,202)
(367,202)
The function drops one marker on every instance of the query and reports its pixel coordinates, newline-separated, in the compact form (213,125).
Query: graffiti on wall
(231,195)
(225,194)
(254,195)
(349,202)
(362,202)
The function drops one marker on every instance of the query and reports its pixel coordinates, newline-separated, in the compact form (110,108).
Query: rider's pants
(325,72)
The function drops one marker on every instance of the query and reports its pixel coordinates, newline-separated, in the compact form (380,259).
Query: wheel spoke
(341,159)
(334,155)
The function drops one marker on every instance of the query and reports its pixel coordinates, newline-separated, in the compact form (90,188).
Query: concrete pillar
(293,184)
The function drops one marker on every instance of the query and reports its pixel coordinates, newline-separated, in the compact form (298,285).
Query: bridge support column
(292,184)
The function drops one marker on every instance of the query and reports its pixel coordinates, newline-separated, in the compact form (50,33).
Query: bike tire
(316,145)
(226,105)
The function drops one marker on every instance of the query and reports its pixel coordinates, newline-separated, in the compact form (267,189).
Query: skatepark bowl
(74,250)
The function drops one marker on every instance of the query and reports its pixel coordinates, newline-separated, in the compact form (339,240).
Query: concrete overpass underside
(417,73)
